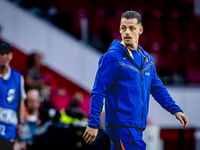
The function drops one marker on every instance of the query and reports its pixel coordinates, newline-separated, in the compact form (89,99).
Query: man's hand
(19,129)
(90,135)
(183,119)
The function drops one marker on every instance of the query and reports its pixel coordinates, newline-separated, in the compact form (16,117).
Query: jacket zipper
(141,81)
(142,90)
(142,98)
(132,61)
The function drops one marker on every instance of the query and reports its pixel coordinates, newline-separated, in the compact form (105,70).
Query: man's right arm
(90,135)
(105,76)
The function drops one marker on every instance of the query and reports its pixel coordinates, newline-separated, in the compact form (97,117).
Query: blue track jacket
(126,88)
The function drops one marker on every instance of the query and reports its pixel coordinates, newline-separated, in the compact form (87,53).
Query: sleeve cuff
(177,111)
(92,127)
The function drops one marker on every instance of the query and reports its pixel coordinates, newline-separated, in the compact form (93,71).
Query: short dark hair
(5,47)
(131,15)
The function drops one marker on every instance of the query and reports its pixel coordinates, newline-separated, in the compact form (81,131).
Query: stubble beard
(129,44)
(3,66)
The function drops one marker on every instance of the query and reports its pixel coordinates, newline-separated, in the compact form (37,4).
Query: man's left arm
(21,117)
(162,96)
(21,107)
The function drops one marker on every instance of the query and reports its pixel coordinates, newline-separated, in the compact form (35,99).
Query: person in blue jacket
(12,94)
(126,77)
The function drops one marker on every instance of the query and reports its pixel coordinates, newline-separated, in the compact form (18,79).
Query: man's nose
(127,31)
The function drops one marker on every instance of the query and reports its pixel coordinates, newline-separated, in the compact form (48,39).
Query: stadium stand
(165,23)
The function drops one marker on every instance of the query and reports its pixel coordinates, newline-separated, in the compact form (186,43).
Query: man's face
(32,103)
(5,58)
(130,31)
(32,100)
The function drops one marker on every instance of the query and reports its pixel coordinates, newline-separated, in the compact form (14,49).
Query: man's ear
(11,56)
(120,28)
(141,30)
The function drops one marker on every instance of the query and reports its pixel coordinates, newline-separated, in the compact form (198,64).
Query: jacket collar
(7,75)
(120,47)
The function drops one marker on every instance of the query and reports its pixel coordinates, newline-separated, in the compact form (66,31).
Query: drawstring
(129,51)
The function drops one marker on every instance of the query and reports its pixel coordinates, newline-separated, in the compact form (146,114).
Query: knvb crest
(11,95)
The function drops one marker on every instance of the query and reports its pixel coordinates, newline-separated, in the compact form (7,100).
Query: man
(33,103)
(126,77)
(12,95)
(74,110)
(31,120)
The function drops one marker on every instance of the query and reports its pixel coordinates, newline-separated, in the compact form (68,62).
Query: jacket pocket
(124,105)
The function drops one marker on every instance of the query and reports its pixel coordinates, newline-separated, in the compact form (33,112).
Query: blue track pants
(126,138)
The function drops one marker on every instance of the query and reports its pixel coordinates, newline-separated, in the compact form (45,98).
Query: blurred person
(31,120)
(32,103)
(34,78)
(32,107)
(126,77)
(12,95)
(74,113)
(74,110)
(77,100)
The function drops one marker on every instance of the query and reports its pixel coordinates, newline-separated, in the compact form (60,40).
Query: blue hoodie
(126,88)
